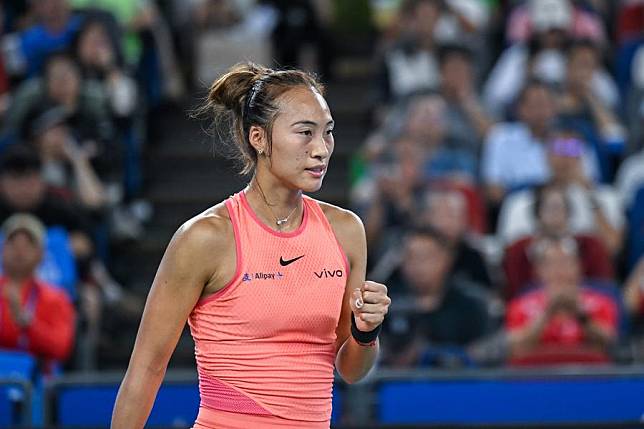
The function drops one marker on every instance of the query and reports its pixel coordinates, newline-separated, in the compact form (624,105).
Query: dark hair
(427,231)
(529,86)
(20,159)
(450,50)
(245,96)
(109,26)
(60,55)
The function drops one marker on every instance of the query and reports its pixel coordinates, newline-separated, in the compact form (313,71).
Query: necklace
(279,222)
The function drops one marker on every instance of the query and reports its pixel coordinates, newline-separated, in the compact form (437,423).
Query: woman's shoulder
(345,223)
(209,230)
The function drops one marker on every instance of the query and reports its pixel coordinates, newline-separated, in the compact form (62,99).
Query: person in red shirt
(34,316)
(562,321)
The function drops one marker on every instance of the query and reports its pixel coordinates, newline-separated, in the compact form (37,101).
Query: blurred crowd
(501,184)
(83,84)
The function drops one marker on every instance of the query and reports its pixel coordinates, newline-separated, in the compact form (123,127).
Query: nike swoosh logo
(289,261)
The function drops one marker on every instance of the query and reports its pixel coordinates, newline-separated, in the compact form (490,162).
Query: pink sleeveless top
(265,343)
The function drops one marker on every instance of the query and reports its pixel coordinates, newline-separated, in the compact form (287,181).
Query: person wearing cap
(34,316)
(595,208)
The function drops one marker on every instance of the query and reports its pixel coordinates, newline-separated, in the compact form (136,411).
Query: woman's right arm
(187,266)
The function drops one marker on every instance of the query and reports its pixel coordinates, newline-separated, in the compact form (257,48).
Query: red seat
(595,260)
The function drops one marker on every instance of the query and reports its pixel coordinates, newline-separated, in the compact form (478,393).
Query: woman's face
(302,140)
(63,82)
(94,47)
(553,213)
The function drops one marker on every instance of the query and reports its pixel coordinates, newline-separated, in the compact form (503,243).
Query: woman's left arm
(356,356)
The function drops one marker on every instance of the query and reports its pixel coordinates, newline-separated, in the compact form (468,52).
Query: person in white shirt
(514,153)
(595,209)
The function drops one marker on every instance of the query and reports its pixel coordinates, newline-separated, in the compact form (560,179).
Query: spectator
(409,65)
(54,31)
(595,209)
(535,16)
(446,211)
(552,213)
(441,314)
(66,164)
(514,152)
(467,121)
(589,98)
(427,124)
(563,320)
(541,56)
(140,21)
(98,60)
(398,186)
(85,104)
(22,189)
(35,316)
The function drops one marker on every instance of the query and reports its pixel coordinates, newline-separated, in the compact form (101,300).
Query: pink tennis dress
(265,343)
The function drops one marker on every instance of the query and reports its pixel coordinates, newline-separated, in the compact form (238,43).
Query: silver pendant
(281,222)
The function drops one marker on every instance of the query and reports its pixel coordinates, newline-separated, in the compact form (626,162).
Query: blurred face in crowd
(51,11)
(63,82)
(557,266)
(23,191)
(457,74)
(21,254)
(537,108)
(426,263)
(422,20)
(447,212)
(51,143)
(582,63)
(426,120)
(553,211)
(94,46)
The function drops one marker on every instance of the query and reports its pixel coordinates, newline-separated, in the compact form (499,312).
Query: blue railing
(608,397)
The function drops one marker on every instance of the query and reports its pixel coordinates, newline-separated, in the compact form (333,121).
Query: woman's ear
(257,139)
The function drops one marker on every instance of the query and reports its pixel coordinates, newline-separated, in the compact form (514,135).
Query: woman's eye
(329,132)
(306,133)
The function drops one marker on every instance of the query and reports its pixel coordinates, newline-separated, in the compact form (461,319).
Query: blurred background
(494,150)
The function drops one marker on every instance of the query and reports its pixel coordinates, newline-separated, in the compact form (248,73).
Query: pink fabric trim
(298,231)
(219,396)
(238,257)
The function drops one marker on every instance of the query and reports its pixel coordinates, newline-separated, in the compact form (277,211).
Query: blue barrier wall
(512,401)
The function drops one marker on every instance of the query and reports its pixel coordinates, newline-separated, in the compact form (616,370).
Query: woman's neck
(277,206)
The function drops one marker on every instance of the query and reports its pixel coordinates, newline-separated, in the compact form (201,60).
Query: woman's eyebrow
(312,123)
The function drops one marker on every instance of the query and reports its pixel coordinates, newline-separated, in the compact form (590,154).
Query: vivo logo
(326,273)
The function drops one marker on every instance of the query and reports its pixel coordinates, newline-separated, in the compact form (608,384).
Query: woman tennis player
(271,282)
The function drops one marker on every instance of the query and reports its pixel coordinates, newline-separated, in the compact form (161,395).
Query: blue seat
(19,366)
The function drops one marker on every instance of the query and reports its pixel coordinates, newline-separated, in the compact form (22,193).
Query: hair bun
(231,89)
